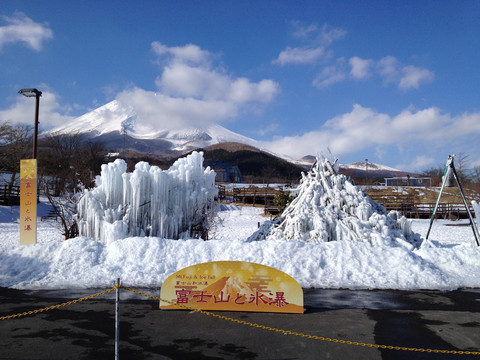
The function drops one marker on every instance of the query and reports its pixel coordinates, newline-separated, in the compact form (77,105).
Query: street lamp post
(28,183)
(34,93)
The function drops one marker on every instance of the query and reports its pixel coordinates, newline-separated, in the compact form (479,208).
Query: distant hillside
(255,165)
(371,173)
(232,147)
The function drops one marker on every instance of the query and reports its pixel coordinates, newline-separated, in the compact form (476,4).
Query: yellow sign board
(232,286)
(28,202)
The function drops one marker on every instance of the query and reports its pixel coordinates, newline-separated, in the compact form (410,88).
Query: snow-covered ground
(448,262)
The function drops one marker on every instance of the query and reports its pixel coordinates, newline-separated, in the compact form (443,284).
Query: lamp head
(30,92)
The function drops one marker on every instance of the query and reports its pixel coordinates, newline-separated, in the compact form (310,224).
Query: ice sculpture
(149,201)
(329,207)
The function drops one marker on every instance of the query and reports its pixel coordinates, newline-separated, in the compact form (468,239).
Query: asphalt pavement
(448,320)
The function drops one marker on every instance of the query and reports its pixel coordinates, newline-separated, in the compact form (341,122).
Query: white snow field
(450,262)
(368,250)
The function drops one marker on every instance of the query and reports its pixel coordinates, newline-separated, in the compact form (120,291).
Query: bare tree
(64,206)
(469,176)
(69,164)
(88,161)
(68,160)
(462,161)
(15,144)
(475,177)
(435,173)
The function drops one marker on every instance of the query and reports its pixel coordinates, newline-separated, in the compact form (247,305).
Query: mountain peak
(115,118)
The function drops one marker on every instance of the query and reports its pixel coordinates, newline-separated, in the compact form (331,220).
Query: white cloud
(183,80)
(316,50)
(190,53)
(414,76)
(406,77)
(360,67)
(192,92)
(300,55)
(428,122)
(21,28)
(422,162)
(380,152)
(243,90)
(160,111)
(297,146)
(271,128)
(301,31)
(364,128)
(330,75)
(51,113)
(328,35)
(387,67)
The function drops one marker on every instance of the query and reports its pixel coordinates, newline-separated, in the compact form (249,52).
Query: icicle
(328,207)
(148,201)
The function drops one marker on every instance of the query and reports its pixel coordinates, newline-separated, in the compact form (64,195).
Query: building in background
(226,172)
(408,181)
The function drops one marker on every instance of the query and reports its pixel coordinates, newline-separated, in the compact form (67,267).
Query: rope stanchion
(314,337)
(32,312)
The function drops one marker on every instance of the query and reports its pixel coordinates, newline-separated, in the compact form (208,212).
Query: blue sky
(397,82)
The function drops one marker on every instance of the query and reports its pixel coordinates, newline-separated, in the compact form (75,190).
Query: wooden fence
(252,195)
(410,208)
(9,195)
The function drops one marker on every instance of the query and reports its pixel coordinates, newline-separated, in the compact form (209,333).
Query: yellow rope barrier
(314,337)
(31,312)
(242,322)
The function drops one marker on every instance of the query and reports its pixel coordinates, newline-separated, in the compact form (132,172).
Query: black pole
(472,223)
(35,131)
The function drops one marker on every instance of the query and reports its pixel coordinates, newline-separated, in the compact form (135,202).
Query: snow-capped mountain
(372,170)
(119,125)
(370,166)
(359,169)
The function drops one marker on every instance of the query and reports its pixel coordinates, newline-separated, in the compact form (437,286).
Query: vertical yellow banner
(28,201)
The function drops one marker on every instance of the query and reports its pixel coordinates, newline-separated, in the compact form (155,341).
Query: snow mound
(329,207)
(168,204)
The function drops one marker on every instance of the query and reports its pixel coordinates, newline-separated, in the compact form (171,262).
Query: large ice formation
(149,201)
(329,207)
